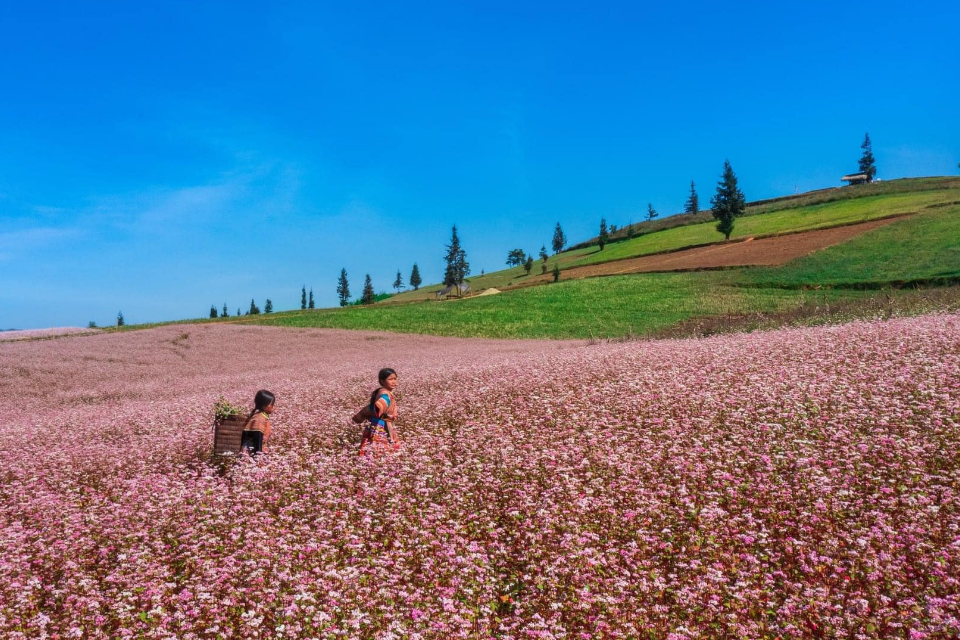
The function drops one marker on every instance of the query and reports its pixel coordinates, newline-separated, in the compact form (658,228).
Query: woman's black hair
(382,377)
(262,400)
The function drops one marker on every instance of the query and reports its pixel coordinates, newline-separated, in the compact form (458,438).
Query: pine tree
(543,268)
(398,282)
(457,266)
(213,311)
(119,318)
(729,203)
(310,304)
(239,313)
(268,308)
(303,297)
(693,202)
(343,288)
(254,309)
(604,237)
(367,296)
(651,212)
(528,265)
(559,240)
(867,166)
(543,253)
(224,313)
(415,280)
(556,272)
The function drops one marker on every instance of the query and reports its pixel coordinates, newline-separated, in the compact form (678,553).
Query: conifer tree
(310,304)
(268,308)
(651,212)
(543,253)
(254,309)
(343,288)
(303,297)
(604,237)
(367,296)
(224,313)
(119,318)
(692,204)
(213,311)
(729,203)
(92,324)
(528,265)
(559,240)
(457,266)
(556,272)
(239,313)
(867,165)
(415,280)
(398,282)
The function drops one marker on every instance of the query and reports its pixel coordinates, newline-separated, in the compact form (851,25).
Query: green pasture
(819,216)
(920,247)
(860,276)
(591,308)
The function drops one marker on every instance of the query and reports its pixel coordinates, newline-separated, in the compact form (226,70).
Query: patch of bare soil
(769,251)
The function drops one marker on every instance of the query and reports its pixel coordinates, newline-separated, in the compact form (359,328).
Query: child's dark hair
(262,400)
(382,377)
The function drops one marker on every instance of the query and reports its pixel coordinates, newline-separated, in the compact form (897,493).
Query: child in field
(380,413)
(259,418)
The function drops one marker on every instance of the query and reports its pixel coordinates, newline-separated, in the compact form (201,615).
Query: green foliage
(415,279)
(729,203)
(367,296)
(254,309)
(268,308)
(516,257)
(692,205)
(310,304)
(543,253)
(559,240)
(224,409)
(213,311)
(343,288)
(556,272)
(456,258)
(604,237)
(867,164)
(223,312)
(651,212)
(120,321)
(303,297)
(92,325)
(398,282)
(528,265)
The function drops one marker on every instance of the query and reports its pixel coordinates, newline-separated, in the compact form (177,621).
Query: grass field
(841,207)
(919,247)
(922,246)
(590,308)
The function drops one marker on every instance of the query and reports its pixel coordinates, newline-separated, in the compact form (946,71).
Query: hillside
(856,247)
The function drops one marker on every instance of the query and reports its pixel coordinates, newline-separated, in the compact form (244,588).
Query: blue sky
(157,158)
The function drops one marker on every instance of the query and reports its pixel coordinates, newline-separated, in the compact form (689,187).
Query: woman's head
(263,401)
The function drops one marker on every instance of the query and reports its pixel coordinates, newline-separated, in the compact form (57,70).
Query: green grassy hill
(858,278)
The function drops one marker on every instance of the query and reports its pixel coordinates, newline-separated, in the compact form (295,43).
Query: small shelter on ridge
(856,178)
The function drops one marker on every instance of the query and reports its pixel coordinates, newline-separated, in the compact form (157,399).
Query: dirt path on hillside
(771,251)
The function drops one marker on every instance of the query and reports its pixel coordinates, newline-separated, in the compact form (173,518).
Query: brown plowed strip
(769,251)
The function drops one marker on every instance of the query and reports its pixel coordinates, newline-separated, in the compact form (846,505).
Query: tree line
(727,204)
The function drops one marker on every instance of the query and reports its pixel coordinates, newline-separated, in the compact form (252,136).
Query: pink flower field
(793,484)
